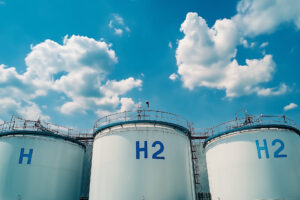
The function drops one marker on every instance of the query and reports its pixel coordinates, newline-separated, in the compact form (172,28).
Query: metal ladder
(196,165)
(200,195)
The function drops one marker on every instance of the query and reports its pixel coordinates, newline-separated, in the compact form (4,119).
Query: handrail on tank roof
(243,122)
(151,115)
(19,124)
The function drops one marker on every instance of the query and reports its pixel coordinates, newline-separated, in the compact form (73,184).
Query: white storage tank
(39,165)
(141,156)
(254,161)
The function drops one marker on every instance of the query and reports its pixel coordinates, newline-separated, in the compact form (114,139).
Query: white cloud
(246,44)
(206,56)
(118,19)
(102,113)
(28,110)
(263,45)
(77,68)
(118,31)
(117,25)
(202,45)
(170,45)
(290,106)
(128,104)
(32,112)
(76,52)
(120,87)
(173,77)
(282,89)
(8,105)
(255,17)
(78,105)
(16,94)
(241,80)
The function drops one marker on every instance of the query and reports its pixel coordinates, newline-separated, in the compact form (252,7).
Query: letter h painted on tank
(138,150)
(28,156)
(262,148)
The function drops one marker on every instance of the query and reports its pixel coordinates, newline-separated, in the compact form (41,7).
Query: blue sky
(71,62)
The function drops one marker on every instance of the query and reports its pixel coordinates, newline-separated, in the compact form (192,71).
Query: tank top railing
(248,120)
(142,115)
(17,123)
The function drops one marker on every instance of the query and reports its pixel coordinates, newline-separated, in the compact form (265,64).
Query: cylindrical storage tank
(254,162)
(39,165)
(142,159)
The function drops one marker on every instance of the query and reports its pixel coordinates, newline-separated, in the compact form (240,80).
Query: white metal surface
(255,164)
(117,172)
(51,171)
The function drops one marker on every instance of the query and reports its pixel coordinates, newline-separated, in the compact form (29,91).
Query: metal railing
(17,123)
(142,115)
(248,120)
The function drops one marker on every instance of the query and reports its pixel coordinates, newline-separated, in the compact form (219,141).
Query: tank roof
(143,116)
(243,122)
(251,127)
(41,133)
(19,126)
(176,126)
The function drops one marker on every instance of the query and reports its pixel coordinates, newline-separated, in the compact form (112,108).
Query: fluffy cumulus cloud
(28,110)
(255,17)
(290,106)
(128,104)
(32,111)
(77,68)
(206,56)
(118,25)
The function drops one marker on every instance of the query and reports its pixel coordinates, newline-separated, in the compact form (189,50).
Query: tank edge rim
(282,126)
(173,125)
(41,133)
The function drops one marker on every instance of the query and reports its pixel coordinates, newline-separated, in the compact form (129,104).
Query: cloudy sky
(71,62)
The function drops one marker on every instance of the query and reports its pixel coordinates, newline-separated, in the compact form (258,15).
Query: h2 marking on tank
(145,150)
(28,156)
(265,149)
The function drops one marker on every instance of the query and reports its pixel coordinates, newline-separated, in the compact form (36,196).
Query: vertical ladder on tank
(196,165)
